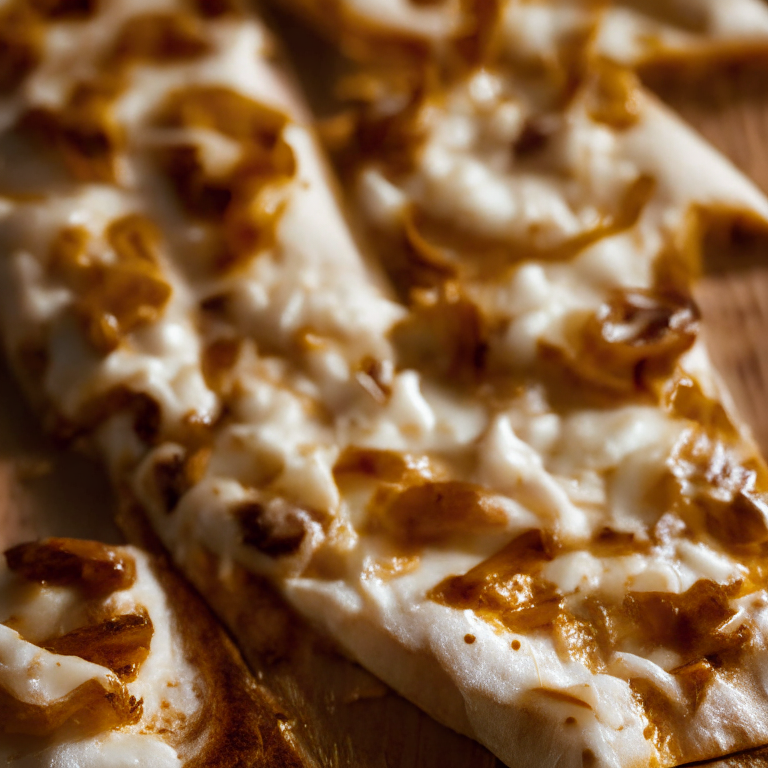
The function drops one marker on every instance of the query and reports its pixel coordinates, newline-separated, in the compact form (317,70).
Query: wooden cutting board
(352,719)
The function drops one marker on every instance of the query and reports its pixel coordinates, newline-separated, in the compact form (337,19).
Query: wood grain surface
(353,720)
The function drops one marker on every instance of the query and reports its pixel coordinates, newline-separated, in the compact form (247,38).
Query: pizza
(480,444)
(99,668)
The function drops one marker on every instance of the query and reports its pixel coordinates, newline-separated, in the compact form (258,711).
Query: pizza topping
(243,198)
(444,333)
(225,111)
(159,38)
(729,493)
(120,643)
(508,589)
(91,706)
(83,133)
(514,202)
(66,9)
(615,97)
(113,298)
(21,39)
(276,531)
(434,512)
(685,398)
(103,676)
(690,623)
(384,466)
(635,338)
(94,568)
(376,377)
(175,474)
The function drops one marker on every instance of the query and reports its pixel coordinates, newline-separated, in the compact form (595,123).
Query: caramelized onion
(242,199)
(83,133)
(444,332)
(635,338)
(90,708)
(225,111)
(159,38)
(115,298)
(120,643)
(385,466)
(96,569)
(685,398)
(507,588)
(175,475)
(21,44)
(729,492)
(614,98)
(219,357)
(431,512)
(689,623)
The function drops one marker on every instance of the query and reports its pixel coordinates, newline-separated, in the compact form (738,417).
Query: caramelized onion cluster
(240,200)
(634,340)
(113,297)
(96,569)
(120,643)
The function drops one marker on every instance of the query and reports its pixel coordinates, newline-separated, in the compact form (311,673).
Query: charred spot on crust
(120,643)
(275,533)
(96,569)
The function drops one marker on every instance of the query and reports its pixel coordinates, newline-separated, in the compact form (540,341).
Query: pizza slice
(508,485)
(100,669)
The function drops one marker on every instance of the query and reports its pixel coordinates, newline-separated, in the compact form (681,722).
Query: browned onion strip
(96,569)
